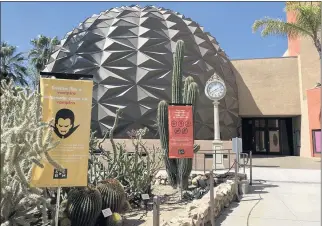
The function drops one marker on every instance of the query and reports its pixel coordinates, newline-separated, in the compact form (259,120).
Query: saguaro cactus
(180,168)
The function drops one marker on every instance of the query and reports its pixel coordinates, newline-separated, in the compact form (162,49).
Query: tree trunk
(317,44)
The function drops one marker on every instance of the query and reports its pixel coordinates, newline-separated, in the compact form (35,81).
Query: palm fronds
(12,64)
(42,49)
(307,23)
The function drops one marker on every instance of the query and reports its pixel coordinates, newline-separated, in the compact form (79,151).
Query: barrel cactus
(177,169)
(84,205)
(113,197)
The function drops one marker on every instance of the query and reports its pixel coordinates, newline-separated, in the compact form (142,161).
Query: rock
(192,187)
(187,195)
(197,212)
(194,180)
(202,181)
(157,182)
(186,223)
(197,193)
(191,207)
(65,222)
(165,224)
(218,180)
(162,181)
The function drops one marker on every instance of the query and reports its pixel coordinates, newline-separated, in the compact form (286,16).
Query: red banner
(180,131)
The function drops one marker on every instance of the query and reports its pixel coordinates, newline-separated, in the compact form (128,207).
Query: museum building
(272,103)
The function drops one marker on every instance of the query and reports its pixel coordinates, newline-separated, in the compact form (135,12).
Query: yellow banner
(69,104)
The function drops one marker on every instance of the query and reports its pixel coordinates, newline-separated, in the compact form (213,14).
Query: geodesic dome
(129,50)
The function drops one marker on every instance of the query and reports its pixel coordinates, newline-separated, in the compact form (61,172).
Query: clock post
(215,90)
(216,120)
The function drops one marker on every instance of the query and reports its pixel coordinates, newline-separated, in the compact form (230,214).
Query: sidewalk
(278,197)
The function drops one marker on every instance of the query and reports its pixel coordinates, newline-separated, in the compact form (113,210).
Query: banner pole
(181,188)
(57,206)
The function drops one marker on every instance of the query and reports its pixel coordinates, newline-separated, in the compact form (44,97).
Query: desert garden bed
(192,209)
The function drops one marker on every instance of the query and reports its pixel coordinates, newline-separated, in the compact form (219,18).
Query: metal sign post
(156,211)
(57,206)
(237,148)
(212,198)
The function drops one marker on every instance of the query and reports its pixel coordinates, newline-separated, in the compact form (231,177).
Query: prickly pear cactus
(186,93)
(84,205)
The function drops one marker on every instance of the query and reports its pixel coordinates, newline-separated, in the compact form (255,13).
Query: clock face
(216,90)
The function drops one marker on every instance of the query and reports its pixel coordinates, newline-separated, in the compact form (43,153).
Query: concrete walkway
(286,162)
(278,197)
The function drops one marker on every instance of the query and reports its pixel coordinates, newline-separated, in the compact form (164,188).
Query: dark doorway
(268,136)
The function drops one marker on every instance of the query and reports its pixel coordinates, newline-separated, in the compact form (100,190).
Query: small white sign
(145,196)
(107,212)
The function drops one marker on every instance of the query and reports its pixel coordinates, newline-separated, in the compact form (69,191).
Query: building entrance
(268,136)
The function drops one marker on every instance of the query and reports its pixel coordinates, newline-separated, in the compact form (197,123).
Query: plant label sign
(68,103)
(145,196)
(180,119)
(107,212)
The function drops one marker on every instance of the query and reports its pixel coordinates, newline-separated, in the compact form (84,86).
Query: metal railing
(224,152)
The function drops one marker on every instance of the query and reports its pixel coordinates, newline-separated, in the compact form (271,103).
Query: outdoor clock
(215,88)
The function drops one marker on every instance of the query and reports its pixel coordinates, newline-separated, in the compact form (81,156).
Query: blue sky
(229,22)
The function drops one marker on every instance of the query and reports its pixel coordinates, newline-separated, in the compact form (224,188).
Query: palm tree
(307,23)
(12,64)
(41,51)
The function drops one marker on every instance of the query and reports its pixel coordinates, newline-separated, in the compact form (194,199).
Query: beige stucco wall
(310,65)
(309,75)
(268,87)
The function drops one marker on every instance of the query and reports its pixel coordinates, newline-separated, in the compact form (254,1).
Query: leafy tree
(41,51)
(12,64)
(307,23)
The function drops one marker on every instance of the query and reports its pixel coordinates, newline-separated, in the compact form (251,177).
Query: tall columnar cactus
(177,73)
(181,168)
(84,205)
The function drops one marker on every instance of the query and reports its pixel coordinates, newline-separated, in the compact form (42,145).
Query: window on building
(272,123)
(260,123)
(316,141)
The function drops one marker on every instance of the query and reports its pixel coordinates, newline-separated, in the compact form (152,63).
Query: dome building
(129,51)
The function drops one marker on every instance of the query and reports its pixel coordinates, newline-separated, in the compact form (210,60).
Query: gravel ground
(170,205)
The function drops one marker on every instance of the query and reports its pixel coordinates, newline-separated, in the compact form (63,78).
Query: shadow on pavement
(257,188)
(268,156)
(265,166)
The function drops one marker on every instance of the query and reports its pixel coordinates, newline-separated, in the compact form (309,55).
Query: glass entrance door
(267,142)
(260,141)
(274,142)
(267,136)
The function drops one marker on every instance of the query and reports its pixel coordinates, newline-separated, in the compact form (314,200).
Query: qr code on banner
(60,174)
